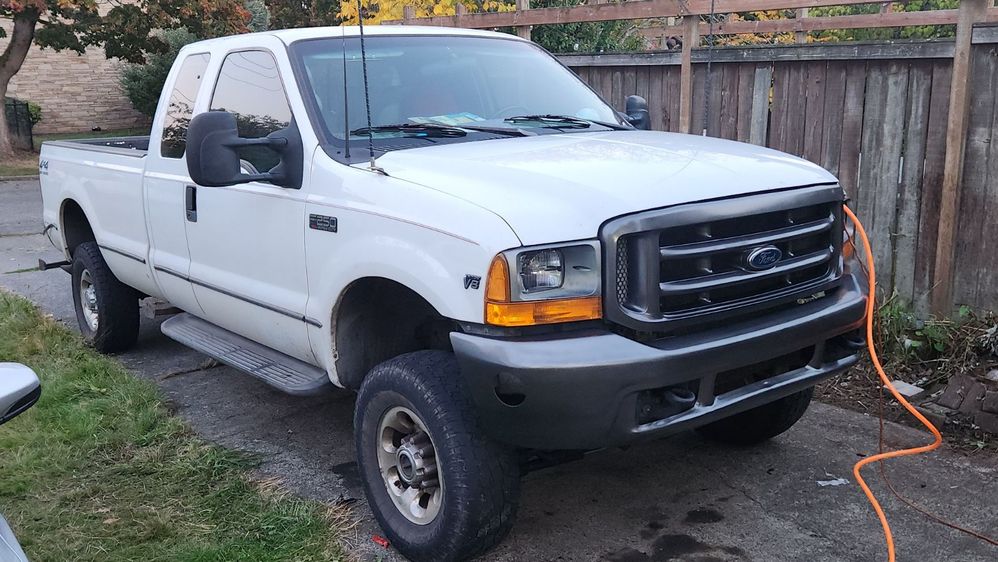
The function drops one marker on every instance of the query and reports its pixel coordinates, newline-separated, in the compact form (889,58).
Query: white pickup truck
(498,262)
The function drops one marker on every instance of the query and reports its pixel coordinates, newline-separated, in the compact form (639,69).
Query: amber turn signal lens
(497,284)
(532,313)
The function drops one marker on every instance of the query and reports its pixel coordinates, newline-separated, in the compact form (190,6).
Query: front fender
(423,239)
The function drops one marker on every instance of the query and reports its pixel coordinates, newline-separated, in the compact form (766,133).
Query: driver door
(247,241)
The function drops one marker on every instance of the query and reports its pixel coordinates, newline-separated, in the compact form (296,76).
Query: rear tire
(760,423)
(478,480)
(107,310)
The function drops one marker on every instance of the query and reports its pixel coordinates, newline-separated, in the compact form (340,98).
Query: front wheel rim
(88,301)
(409,466)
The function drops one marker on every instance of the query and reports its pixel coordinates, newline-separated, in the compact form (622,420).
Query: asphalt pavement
(682,498)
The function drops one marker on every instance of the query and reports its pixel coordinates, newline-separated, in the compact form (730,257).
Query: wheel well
(377,319)
(75,226)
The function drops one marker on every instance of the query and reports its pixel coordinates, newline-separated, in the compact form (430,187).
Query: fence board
(699,99)
(743,121)
(672,81)
(889,156)
(932,180)
(852,127)
(986,266)
(910,190)
(814,110)
(629,85)
(617,88)
(874,109)
(727,113)
(831,124)
(762,88)
(778,109)
(973,202)
(793,138)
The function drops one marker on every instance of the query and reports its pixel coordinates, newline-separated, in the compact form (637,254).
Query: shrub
(34,112)
(144,82)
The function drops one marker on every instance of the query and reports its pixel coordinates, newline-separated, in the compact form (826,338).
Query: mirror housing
(19,390)
(636,109)
(212,157)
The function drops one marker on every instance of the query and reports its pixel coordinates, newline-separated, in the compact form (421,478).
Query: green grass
(100,470)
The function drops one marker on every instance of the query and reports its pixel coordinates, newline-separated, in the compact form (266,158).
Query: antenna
(346,105)
(367,96)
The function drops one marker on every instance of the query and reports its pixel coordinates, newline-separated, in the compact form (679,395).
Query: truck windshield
(483,84)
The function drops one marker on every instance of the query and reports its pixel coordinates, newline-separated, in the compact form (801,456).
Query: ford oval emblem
(763,257)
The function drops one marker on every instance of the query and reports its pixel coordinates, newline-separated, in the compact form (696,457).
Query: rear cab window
(181,105)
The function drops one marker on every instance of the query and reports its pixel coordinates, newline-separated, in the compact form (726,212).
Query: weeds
(926,353)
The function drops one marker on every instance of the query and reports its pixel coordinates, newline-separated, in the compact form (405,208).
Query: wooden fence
(875,115)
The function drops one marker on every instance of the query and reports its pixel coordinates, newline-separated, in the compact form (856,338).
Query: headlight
(541,270)
(549,284)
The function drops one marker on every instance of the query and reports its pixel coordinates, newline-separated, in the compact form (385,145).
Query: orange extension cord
(937,437)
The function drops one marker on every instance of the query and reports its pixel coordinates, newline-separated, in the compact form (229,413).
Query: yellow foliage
(756,38)
(377,11)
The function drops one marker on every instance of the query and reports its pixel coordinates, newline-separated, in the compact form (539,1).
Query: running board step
(272,367)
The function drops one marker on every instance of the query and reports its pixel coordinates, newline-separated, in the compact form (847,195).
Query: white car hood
(552,188)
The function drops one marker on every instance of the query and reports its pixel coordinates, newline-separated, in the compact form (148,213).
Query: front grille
(688,263)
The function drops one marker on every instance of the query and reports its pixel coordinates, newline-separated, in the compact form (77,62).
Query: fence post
(800,36)
(408,14)
(956,142)
(523,30)
(691,38)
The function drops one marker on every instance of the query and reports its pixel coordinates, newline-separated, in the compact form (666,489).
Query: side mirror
(637,112)
(19,390)
(213,160)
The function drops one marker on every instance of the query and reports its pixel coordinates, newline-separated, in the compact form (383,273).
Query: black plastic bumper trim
(580,391)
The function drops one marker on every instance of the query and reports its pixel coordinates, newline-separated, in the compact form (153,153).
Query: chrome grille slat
(744,242)
(716,281)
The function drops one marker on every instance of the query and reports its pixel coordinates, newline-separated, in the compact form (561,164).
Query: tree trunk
(10,62)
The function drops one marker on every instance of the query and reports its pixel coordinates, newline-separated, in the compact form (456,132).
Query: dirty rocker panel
(217,289)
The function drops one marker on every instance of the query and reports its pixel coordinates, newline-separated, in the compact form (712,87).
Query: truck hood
(560,187)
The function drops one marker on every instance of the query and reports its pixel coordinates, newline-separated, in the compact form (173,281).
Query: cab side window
(181,106)
(249,86)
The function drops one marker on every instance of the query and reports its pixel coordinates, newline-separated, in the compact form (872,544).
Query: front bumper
(582,391)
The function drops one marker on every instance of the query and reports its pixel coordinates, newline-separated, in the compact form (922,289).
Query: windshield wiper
(416,129)
(562,121)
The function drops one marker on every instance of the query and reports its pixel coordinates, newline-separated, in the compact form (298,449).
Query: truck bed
(136,146)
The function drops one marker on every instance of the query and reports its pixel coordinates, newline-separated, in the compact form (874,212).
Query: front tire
(107,310)
(760,423)
(439,488)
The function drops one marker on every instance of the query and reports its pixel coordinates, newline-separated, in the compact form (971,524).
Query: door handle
(191,203)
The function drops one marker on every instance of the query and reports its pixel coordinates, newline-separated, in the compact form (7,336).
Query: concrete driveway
(678,499)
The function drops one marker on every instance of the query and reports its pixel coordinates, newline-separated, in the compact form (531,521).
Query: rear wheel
(439,488)
(107,310)
(760,423)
